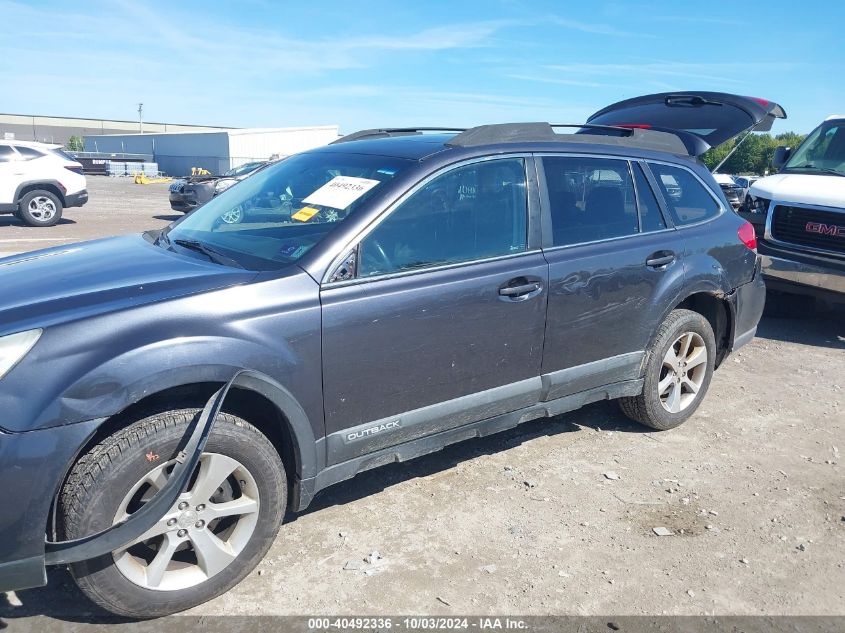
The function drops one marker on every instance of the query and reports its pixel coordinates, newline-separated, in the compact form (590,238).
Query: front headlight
(758,205)
(222,185)
(14,347)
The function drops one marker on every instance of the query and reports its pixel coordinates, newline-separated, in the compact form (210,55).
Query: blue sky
(364,64)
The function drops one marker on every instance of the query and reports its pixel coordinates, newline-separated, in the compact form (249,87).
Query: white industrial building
(216,151)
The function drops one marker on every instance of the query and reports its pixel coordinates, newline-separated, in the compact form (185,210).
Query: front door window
(472,212)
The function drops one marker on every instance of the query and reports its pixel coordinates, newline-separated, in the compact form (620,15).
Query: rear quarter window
(27,153)
(687,199)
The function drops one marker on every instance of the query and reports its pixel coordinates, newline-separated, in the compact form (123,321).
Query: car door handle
(518,291)
(660,259)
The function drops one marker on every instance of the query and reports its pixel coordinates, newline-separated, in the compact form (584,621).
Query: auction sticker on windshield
(341,191)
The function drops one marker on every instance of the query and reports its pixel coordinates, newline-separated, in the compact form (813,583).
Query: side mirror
(782,154)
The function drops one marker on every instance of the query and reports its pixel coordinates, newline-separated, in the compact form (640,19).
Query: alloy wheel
(201,535)
(682,372)
(42,208)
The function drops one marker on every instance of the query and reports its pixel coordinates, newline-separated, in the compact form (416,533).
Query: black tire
(25,214)
(647,408)
(102,478)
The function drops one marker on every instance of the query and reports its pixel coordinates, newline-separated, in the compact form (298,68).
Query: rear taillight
(747,236)
(762,102)
(75,169)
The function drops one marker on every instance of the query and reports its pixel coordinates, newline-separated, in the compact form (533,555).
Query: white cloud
(721,72)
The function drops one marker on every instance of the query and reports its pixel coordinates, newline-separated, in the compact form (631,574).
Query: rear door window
(687,198)
(7,154)
(590,199)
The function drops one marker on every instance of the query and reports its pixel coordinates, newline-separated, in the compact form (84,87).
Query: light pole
(141,117)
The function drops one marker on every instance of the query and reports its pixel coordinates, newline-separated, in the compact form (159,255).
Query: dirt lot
(527,522)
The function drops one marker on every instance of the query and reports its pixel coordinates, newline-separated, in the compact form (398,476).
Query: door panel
(608,280)
(411,342)
(8,168)
(444,324)
(604,302)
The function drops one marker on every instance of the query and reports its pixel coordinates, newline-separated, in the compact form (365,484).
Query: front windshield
(274,217)
(823,150)
(242,169)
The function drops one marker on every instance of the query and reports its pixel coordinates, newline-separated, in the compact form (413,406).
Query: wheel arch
(53,186)
(714,305)
(259,400)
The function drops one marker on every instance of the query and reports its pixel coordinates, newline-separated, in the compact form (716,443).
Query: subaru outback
(171,395)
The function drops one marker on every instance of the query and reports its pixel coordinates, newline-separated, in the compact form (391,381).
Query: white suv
(38,180)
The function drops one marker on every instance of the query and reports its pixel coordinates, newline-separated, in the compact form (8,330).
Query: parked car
(732,191)
(799,216)
(186,194)
(427,288)
(745,183)
(38,181)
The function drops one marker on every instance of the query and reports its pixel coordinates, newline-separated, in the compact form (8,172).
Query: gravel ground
(529,522)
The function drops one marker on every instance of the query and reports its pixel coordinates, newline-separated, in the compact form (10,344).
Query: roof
(76,120)
(835,117)
(230,132)
(14,141)
(723,178)
(414,146)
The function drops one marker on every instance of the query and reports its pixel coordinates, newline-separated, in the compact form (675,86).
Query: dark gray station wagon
(377,299)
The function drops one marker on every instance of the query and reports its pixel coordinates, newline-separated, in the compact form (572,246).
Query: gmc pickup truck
(799,216)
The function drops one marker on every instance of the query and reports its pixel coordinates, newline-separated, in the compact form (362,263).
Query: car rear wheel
(679,367)
(40,208)
(209,541)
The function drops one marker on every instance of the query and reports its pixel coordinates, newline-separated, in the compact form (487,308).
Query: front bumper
(191,196)
(33,466)
(183,203)
(797,272)
(76,199)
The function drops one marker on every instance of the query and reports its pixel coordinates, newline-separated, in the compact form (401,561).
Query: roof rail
(393,131)
(675,142)
(516,132)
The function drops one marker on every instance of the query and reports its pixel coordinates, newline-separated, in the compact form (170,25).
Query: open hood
(702,119)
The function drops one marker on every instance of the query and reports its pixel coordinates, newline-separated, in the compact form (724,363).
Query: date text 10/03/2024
(416,623)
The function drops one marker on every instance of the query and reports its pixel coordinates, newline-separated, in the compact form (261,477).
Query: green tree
(74,144)
(754,154)
(716,155)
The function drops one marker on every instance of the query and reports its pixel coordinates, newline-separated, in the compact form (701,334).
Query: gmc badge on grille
(825,229)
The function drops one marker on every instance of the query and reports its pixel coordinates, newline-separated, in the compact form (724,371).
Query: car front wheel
(40,208)
(209,541)
(679,367)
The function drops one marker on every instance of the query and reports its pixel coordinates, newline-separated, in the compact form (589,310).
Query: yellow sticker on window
(305,214)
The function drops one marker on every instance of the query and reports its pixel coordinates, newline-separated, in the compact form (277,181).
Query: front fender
(128,378)
(122,380)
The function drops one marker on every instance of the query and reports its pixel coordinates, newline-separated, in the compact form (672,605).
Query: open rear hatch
(701,119)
